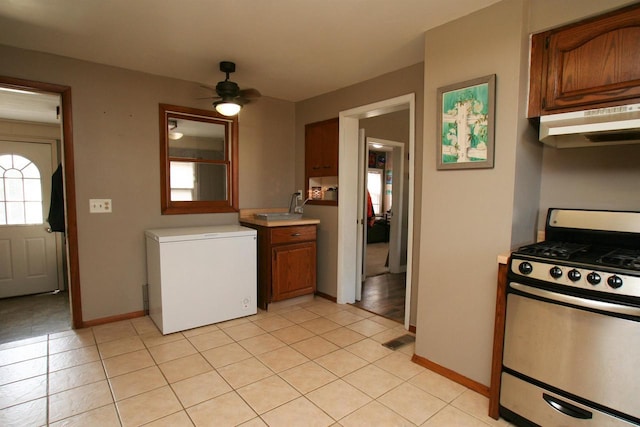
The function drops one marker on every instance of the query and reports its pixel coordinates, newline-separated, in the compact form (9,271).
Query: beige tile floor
(312,364)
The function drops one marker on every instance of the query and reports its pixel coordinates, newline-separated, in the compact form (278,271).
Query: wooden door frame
(70,185)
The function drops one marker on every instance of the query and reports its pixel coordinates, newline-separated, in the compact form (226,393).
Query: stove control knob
(525,267)
(574,275)
(556,272)
(614,281)
(593,278)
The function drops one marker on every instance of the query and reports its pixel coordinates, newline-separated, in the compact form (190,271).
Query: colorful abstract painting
(465,124)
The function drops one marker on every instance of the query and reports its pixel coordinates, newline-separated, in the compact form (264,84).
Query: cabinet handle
(296,235)
(567,408)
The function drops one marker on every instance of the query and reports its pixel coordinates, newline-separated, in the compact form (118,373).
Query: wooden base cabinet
(286,262)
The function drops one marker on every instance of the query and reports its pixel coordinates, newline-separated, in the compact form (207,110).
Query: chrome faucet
(293,203)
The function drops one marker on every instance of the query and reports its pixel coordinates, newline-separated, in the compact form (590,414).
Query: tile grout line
(48,370)
(106,376)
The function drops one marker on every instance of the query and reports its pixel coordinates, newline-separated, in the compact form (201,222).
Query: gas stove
(585,250)
(572,323)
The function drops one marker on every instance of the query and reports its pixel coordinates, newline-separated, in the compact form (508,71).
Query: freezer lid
(179,234)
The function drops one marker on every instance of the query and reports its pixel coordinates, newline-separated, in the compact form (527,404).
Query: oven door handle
(567,408)
(577,301)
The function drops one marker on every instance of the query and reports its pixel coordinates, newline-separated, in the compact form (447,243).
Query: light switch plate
(100,205)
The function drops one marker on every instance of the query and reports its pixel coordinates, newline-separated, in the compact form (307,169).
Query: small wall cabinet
(286,262)
(321,160)
(590,64)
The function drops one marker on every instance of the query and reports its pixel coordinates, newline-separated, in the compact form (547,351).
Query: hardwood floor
(376,262)
(384,295)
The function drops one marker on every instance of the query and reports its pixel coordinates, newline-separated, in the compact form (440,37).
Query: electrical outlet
(100,206)
(299,194)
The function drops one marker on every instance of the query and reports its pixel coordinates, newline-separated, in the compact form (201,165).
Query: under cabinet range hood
(592,128)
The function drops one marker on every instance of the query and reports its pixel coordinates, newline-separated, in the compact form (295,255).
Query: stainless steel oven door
(550,409)
(558,340)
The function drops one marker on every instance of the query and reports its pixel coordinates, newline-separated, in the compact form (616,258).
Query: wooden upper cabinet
(594,63)
(321,148)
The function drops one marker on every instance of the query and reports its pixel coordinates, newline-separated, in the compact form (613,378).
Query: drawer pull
(567,408)
(296,235)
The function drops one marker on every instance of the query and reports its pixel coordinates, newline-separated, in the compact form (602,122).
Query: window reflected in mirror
(198,161)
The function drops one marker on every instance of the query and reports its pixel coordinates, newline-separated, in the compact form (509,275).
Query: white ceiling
(287,49)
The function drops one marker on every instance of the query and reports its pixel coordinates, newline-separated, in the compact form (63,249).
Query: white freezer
(200,275)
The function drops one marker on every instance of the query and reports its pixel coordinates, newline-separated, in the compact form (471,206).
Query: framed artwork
(465,127)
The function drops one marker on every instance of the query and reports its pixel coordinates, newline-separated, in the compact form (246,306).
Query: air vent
(613,136)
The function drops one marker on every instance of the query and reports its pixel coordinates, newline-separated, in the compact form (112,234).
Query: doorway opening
(351,220)
(48,309)
(384,243)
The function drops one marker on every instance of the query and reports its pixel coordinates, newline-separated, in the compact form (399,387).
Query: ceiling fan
(230,97)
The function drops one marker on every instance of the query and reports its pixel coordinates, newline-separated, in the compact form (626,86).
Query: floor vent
(396,343)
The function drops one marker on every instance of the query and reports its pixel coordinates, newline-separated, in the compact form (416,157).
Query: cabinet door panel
(294,270)
(321,148)
(594,65)
(330,148)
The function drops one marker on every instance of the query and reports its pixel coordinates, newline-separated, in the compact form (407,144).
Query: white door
(361,245)
(28,262)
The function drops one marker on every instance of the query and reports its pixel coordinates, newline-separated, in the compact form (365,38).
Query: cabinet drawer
(293,234)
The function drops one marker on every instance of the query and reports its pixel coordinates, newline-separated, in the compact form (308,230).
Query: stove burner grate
(624,258)
(556,250)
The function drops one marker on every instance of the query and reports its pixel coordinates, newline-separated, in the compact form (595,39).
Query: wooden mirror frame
(169,207)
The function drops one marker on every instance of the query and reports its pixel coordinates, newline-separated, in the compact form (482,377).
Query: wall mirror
(198,161)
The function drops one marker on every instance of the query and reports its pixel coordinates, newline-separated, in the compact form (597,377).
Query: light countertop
(247,216)
(504,257)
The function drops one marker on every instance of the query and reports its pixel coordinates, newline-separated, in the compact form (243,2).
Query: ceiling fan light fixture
(228,108)
(173,133)
(230,99)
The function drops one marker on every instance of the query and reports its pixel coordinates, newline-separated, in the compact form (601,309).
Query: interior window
(20,191)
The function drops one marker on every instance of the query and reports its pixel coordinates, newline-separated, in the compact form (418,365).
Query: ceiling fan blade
(250,94)
(210,97)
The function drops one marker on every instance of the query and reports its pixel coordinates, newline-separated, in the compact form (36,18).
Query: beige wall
(401,82)
(468,217)
(116,143)
(467,214)
(591,178)
(547,14)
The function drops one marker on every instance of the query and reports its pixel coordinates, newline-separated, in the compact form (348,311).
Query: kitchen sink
(278,216)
